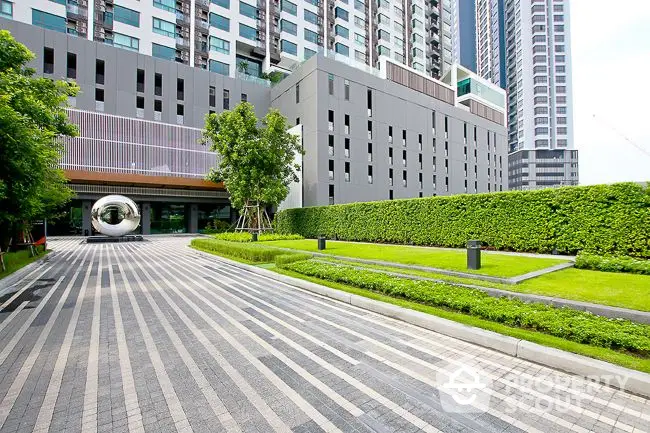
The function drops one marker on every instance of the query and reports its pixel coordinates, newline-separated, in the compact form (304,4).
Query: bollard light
(474,255)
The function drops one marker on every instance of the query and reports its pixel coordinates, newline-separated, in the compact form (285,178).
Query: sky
(610,47)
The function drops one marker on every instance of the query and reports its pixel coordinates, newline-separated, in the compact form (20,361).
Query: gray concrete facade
(447,150)
(536,169)
(120,78)
(458,162)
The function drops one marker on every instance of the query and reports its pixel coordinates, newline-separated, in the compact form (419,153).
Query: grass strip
(630,291)
(493,264)
(16,260)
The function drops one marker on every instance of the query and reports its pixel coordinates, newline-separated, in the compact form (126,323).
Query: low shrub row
(578,326)
(612,264)
(600,219)
(251,252)
(263,237)
(285,259)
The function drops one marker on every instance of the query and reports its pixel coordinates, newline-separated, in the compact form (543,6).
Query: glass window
(126,16)
(125,41)
(48,21)
(166,5)
(311,17)
(314,2)
(311,36)
(288,47)
(309,53)
(222,3)
(341,13)
(384,51)
(219,45)
(219,22)
(220,67)
(342,49)
(341,31)
(359,5)
(247,10)
(247,32)
(6,9)
(359,22)
(359,39)
(399,42)
(164,27)
(287,6)
(289,27)
(384,35)
(360,56)
(163,52)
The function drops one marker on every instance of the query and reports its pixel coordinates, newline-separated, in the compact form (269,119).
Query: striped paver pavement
(156,337)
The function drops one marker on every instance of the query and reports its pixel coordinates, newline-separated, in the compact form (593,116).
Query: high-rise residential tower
(540,106)
(251,37)
(524,46)
(490,41)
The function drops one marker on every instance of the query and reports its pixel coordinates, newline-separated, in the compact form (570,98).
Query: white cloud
(611,58)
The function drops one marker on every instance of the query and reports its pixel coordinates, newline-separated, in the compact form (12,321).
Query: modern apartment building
(540,106)
(389,132)
(490,41)
(524,47)
(253,37)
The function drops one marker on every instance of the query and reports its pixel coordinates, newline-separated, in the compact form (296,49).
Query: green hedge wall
(601,219)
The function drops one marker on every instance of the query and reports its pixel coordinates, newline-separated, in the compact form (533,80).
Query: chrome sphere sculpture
(115,215)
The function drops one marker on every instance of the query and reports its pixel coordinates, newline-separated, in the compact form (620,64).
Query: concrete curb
(612,375)
(597,309)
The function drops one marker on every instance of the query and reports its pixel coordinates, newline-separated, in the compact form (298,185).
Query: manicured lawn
(18,259)
(608,355)
(606,288)
(494,264)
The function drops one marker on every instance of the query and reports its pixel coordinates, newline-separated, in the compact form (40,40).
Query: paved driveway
(154,336)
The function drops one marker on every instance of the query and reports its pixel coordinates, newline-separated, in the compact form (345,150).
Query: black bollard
(474,255)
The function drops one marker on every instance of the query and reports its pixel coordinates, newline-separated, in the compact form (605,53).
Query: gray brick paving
(212,348)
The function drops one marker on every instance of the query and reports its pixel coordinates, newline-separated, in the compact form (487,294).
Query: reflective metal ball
(115,215)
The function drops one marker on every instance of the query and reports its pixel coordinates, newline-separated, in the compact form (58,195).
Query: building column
(193,220)
(86,219)
(145,220)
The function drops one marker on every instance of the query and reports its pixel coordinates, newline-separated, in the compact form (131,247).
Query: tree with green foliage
(32,117)
(256,158)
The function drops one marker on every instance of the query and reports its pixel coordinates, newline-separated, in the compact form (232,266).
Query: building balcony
(202,24)
(203,4)
(182,43)
(201,46)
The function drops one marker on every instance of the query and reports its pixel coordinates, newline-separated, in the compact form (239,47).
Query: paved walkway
(155,337)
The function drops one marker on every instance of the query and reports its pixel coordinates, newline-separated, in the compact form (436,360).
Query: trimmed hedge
(285,259)
(601,219)
(578,326)
(252,252)
(612,264)
(263,237)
